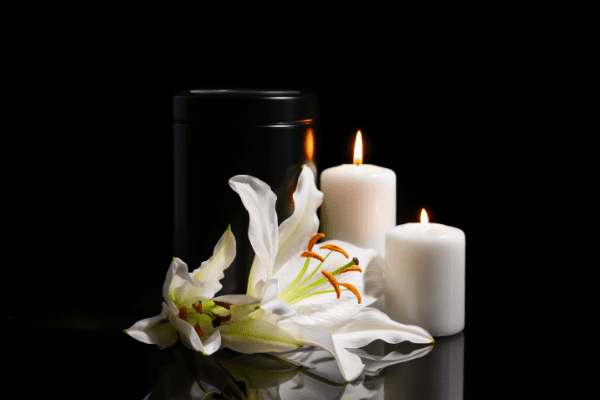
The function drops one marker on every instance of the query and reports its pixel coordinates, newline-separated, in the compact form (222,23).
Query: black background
(483,112)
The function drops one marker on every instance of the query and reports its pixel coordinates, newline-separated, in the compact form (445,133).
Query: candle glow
(309,145)
(358,150)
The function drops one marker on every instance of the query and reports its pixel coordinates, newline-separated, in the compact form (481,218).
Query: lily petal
(263,232)
(211,271)
(296,231)
(238,299)
(178,270)
(279,307)
(371,324)
(259,333)
(349,364)
(156,330)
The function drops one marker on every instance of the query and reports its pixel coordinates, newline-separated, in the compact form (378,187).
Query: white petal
(279,307)
(371,324)
(178,270)
(263,232)
(184,289)
(156,330)
(270,291)
(296,231)
(238,299)
(258,333)
(349,364)
(211,271)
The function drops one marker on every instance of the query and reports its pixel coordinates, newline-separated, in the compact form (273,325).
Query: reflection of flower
(259,376)
(289,302)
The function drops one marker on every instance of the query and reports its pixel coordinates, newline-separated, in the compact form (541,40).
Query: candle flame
(358,149)
(424,218)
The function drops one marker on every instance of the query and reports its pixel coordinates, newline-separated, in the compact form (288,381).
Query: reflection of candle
(439,375)
(359,203)
(424,276)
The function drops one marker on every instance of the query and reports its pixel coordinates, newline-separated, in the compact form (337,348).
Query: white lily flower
(299,294)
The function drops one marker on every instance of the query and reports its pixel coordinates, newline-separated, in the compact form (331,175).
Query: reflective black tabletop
(77,349)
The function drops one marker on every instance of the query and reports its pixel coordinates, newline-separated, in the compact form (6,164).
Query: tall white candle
(424,276)
(359,203)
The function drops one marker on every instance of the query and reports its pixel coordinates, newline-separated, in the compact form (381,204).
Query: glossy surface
(77,349)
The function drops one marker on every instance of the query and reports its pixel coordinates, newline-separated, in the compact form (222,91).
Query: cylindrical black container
(220,133)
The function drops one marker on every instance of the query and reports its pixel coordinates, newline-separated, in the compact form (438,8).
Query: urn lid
(247,106)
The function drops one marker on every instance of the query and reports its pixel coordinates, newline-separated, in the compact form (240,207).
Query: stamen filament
(303,289)
(315,270)
(295,282)
(300,288)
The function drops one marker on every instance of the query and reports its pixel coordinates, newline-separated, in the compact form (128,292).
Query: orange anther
(223,304)
(353,290)
(198,330)
(198,307)
(353,268)
(312,255)
(225,318)
(183,313)
(335,248)
(314,239)
(333,282)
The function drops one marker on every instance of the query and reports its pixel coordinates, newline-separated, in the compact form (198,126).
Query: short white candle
(424,276)
(359,202)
